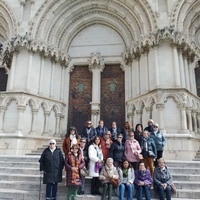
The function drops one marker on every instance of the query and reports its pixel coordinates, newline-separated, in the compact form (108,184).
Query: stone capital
(95,112)
(139,112)
(148,109)
(181,106)
(21,108)
(160,106)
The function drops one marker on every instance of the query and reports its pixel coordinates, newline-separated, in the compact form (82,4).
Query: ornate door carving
(112,95)
(80,96)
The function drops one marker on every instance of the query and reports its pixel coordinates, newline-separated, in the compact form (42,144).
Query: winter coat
(125,133)
(132,147)
(159,140)
(113,134)
(106,171)
(98,131)
(92,152)
(144,177)
(89,136)
(130,178)
(150,146)
(160,177)
(68,167)
(105,150)
(117,151)
(52,164)
(66,146)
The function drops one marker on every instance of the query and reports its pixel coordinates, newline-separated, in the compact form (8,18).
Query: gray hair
(109,160)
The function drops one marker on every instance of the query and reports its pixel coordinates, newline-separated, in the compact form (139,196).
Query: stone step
(20,164)
(183,164)
(17,158)
(183,177)
(178,170)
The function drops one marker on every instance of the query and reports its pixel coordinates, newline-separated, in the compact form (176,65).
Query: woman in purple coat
(143,182)
(73,163)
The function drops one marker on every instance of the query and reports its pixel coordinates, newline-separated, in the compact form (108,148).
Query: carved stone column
(2,112)
(41,74)
(95,117)
(156,66)
(62,83)
(20,119)
(52,78)
(181,66)
(29,71)
(139,115)
(194,119)
(46,122)
(58,116)
(176,67)
(34,116)
(12,71)
(186,71)
(198,121)
(183,116)
(96,66)
(138,88)
(149,112)
(160,107)
(130,119)
(189,118)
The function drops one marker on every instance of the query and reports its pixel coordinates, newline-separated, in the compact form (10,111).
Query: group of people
(126,155)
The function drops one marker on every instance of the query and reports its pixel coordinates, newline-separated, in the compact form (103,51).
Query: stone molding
(35,102)
(160,96)
(96,62)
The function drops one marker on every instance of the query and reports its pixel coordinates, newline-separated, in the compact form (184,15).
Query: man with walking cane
(51,166)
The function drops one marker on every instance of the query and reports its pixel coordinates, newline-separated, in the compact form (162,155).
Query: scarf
(75,160)
(73,139)
(125,173)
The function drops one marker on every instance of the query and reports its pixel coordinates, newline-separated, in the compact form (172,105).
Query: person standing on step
(106,143)
(149,128)
(159,140)
(125,131)
(71,138)
(114,131)
(101,129)
(84,153)
(88,132)
(51,166)
(95,164)
(73,163)
(132,148)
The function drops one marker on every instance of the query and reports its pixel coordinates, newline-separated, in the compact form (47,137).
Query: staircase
(20,178)
(197,156)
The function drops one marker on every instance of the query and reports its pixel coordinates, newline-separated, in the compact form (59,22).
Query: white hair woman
(108,172)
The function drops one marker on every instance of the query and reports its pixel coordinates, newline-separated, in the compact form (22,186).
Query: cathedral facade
(63,62)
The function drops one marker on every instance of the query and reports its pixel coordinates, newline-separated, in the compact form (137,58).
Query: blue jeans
(161,192)
(83,183)
(51,189)
(122,188)
(146,190)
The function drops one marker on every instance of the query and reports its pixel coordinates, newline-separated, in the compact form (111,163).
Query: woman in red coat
(73,163)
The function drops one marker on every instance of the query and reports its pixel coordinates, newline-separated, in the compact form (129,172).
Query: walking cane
(40,186)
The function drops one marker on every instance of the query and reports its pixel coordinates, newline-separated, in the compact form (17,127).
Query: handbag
(139,156)
(114,182)
(173,188)
(151,154)
(84,171)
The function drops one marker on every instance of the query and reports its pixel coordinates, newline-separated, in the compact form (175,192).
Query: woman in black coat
(51,165)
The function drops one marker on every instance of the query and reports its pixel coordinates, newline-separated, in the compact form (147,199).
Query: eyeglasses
(51,143)
(83,142)
(89,123)
(119,137)
(155,126)
(107,134)
(131,135)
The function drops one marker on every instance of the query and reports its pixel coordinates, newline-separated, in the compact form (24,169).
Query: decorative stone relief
(96,61)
